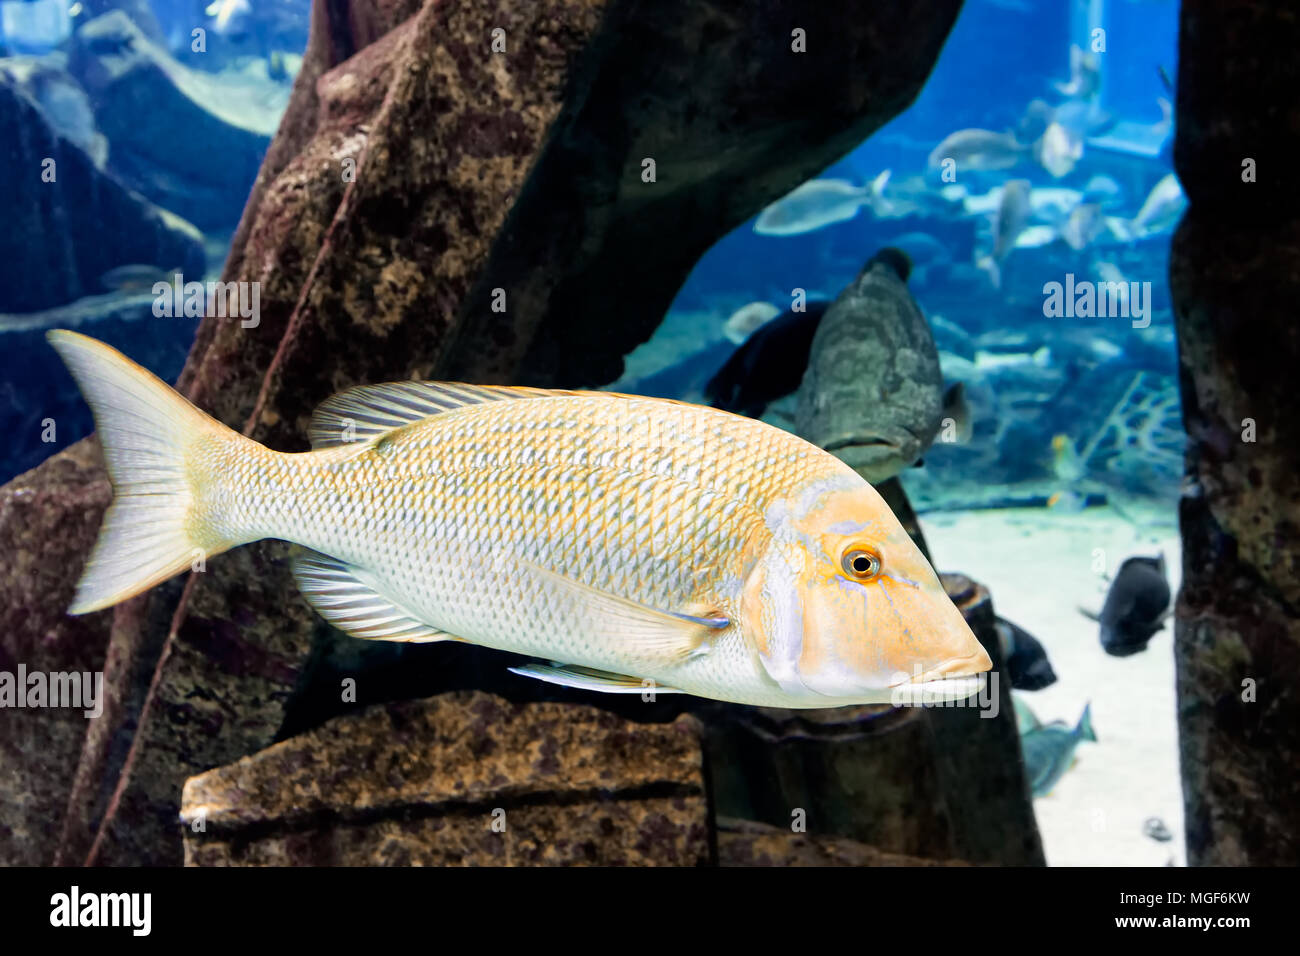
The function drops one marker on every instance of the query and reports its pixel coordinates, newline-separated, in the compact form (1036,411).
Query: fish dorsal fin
(654,635)
(588,678)
(350,604)
(361,413)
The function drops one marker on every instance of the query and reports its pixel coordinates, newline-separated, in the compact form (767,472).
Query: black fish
(1027,665)
(769,366)
(1135,606)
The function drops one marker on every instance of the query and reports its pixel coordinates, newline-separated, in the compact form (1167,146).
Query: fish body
(1049,750)
(136,277)
(769,365)
(873,391)
(1035,236)
(996,361)
(1026,659)
(1161,209)
(748,319)
(1059,150)
(977,149)
(1012,214)
(633,543)
(1135,606)
(1085,223)
(815,205)
(1155,828)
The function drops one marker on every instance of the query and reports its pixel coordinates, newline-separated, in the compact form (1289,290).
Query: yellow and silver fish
(631,543)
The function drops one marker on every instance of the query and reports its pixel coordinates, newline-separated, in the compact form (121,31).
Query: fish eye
(859,564)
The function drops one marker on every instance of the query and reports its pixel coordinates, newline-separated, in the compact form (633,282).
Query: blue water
(1001,55)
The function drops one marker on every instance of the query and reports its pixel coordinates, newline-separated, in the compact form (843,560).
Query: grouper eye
(860,565)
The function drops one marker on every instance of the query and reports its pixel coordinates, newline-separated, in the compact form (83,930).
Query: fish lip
(859,441)
(958,667)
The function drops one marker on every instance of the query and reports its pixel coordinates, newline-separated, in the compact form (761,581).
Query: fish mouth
(936,690)
(956,669)
(859,441)
(956,679)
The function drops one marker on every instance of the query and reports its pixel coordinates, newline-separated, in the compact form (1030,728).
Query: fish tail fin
(147,431)
(1084,730)
(876,188)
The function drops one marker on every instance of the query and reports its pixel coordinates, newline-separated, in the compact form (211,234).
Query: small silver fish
(1012,214)
(817,204)
(978,149)
(1161,210)
(1084,224)
(748,319)
(1059,150)
(135,277)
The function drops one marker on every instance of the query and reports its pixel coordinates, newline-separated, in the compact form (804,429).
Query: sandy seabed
(1039,567)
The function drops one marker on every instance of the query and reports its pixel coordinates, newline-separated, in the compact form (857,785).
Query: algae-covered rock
(746,843)
(465,779)
(1234,265)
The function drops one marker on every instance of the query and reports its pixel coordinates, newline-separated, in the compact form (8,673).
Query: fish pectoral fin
(588,678)
(656,635)
(332,587)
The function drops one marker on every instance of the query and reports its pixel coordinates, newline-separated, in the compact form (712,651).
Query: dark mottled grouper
(873,391)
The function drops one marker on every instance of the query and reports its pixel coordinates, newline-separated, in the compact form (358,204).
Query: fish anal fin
(334,590)
(589,678)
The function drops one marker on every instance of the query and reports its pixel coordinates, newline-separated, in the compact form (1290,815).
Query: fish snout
(875,457)
(942,645)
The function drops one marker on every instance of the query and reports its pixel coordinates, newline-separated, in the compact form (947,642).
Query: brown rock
(979,758)
(745,843)
(1233,274)
(48,519)
(422,782)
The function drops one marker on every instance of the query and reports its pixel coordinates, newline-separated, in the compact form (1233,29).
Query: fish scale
(608,508)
